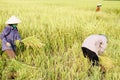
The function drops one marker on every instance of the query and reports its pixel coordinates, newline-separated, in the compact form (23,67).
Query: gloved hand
(8,44)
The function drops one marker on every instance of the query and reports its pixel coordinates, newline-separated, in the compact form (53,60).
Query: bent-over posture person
(9,36)
(93,46)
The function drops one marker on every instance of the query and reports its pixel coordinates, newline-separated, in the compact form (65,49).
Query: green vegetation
(61,25)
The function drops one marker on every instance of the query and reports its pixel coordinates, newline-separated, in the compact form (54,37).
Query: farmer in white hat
(9,36)
(98,7)
(93,46)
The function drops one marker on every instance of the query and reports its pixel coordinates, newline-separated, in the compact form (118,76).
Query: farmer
(9,36)
(93,46)
(98,7)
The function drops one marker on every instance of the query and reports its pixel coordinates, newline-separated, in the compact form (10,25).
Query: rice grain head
(107,62)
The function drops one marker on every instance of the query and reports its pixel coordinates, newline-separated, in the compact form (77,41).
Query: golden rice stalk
(33,42)
(107,62)
(18,64)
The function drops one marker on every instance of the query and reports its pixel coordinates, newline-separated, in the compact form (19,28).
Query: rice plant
(52,32)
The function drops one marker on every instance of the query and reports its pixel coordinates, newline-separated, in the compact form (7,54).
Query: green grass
(61,26)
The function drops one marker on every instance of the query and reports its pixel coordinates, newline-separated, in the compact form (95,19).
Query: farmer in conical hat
(98,7)
(93,46)
(9,36)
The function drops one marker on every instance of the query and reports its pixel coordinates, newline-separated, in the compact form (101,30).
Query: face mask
(14,26)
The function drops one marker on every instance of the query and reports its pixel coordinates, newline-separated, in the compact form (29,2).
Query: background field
(61,25)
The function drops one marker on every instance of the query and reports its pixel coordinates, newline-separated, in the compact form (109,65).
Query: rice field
(53,31)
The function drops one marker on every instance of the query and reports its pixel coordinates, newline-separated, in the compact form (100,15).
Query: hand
(17,42)
(21,43)
(8,44)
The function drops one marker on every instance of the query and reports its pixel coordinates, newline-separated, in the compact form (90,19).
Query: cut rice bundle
(31,42)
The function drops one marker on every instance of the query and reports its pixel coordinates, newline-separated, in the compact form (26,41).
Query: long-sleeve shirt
(96,43)
(9,35)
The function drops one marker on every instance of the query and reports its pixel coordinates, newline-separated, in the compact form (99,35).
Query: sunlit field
(53,31)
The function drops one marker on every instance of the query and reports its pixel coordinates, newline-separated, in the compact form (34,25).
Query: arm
(18,38)
(5,32)
(102,46)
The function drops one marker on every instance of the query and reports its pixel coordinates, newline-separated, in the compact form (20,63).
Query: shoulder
(97,37)
(92,37)
(103,37)
(7,28)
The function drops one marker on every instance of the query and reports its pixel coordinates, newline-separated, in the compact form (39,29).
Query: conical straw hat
(99,5)
(13,20)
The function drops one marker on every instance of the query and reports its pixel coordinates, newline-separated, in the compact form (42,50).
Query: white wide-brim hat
(13,20)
